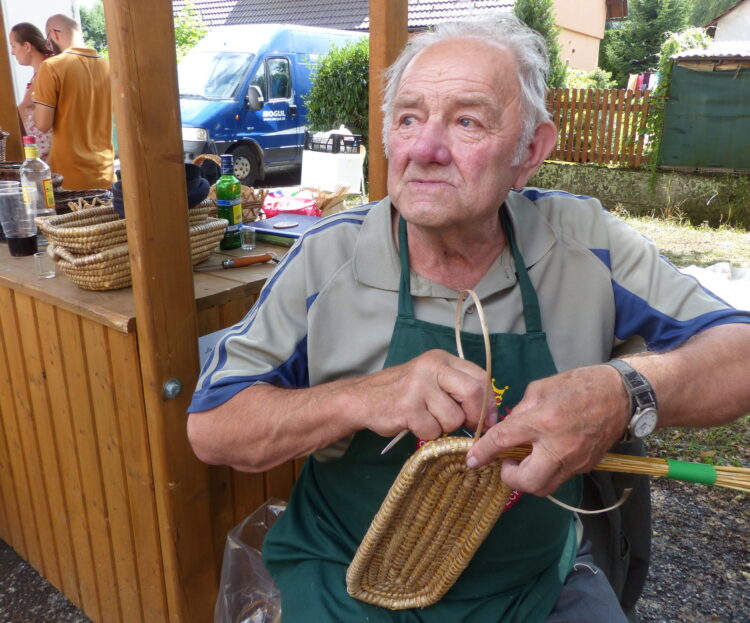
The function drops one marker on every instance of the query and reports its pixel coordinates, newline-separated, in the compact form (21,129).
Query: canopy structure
(140,34)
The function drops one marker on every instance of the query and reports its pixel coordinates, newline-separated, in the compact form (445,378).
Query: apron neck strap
(531,313)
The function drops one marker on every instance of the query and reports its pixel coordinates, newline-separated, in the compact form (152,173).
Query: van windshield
(212,75)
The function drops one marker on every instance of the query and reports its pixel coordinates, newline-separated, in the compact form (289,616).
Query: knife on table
(237,262)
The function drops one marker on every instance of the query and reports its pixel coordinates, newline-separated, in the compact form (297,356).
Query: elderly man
(72,97)
(351,341)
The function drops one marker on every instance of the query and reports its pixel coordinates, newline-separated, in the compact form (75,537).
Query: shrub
(339,92)
(597,79)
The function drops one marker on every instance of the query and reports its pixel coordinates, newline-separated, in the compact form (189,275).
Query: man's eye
(407,120)
(466,122)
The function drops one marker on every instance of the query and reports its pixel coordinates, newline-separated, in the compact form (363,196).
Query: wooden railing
(599,125)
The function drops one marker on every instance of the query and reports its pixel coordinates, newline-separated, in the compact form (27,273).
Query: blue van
(241,90)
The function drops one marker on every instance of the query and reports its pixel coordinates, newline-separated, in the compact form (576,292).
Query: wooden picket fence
(599,125)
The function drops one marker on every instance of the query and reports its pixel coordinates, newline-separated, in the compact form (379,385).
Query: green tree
(189,29)
(539,15)
(92,25)
(700,12)
(339,92)
(596,79)
(633,45)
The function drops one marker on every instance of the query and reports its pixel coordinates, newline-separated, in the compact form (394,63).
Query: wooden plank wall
(234,495)
(605,126)
(76,483)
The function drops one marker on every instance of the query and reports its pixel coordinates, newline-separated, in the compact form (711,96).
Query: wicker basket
(3,142)
(90,245)
(11,171)
(435,516)
(252,202)
(64,198)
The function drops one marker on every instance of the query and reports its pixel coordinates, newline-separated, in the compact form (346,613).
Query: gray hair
(504,30)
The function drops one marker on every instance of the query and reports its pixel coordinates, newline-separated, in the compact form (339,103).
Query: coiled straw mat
(435,516)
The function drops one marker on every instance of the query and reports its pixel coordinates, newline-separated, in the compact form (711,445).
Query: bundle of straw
(722,476)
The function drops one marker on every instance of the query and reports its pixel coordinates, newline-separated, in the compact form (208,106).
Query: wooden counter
(77,492)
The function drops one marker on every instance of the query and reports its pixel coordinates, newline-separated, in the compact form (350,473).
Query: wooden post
(388,34)
(9,120)
(140,34)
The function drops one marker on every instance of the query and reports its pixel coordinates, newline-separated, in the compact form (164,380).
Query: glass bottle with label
(229,203)
(36,183)
(36,180)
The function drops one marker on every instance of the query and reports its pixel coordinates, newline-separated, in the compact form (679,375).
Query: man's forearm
(264,426)
(705,382)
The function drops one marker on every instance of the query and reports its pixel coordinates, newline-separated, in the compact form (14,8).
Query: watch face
(643,423)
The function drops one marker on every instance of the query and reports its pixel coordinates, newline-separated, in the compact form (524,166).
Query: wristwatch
(644,415)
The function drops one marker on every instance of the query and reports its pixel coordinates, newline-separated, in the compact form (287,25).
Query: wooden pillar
(388,34)
(140,34)
(9,120)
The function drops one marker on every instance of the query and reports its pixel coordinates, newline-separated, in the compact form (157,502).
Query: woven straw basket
(3,142)
(435,516)
(90,245)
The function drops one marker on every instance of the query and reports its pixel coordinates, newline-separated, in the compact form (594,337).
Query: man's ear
(545,138)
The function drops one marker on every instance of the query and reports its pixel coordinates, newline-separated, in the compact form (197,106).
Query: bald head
(64,31)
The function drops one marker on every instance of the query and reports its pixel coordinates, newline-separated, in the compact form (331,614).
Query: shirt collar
(82,52)
(376,259)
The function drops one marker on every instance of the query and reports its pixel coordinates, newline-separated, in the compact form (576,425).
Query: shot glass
(247,237)
(45,265)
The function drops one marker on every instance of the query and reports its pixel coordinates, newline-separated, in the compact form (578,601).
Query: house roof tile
(344,14)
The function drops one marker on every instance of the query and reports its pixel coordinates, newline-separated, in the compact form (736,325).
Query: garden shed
(707,120)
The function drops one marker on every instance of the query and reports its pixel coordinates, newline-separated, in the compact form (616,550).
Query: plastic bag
(273,206)
(247,592)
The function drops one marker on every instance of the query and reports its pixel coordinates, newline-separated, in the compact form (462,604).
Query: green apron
(515,575)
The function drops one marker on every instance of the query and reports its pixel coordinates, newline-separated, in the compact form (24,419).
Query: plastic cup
(247,237)
(45,265)
(17,220)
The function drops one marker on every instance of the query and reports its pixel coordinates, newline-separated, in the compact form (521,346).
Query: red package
(272,206)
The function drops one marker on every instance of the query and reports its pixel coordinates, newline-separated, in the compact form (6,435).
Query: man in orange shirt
(73,98)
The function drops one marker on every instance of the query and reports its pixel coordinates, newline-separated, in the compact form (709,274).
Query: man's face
(456,124)
(52,42)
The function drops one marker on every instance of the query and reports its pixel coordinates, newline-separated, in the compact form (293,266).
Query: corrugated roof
(717,50)
(344,14)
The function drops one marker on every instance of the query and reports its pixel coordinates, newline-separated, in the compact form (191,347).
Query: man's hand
(569,419)
(432,394)
(263,426)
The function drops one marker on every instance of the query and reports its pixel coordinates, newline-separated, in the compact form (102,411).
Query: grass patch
(684,244)
(723,445)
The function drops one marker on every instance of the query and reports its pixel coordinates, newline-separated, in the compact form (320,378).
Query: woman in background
(28,45)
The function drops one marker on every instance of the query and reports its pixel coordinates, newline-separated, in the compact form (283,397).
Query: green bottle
(229,203)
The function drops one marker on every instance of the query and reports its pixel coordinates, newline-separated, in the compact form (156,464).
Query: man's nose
(430,145)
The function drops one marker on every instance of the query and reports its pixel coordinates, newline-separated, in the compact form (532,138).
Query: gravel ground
(700,568)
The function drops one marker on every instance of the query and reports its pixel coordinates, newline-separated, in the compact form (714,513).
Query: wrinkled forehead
(465,60)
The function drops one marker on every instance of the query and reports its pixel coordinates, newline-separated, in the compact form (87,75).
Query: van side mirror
(254,98)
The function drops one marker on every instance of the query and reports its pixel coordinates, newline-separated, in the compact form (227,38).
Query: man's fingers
(532,475)
(497,439)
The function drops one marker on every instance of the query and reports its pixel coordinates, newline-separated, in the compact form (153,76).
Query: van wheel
(246,165)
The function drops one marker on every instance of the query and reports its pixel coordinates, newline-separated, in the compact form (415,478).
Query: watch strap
(642,395)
